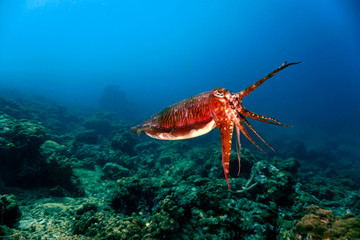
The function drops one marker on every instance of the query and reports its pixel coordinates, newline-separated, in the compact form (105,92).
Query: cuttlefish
(198,115)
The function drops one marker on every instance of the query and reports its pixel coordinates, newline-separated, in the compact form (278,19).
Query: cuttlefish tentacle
(251,88)
(256,116)
(249,126)
(240,125)
(262,118)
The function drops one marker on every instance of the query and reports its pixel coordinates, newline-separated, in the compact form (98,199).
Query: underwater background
(75,75)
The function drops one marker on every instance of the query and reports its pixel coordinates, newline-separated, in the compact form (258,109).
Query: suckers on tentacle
(200,114)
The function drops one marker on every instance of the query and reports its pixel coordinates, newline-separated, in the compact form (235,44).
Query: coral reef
(85,176)
(28,160)
(19,149)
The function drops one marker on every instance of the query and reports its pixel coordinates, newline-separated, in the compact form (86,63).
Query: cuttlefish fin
(226,131)
(136,130)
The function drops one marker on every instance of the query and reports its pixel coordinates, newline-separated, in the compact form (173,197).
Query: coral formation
(322,224)
(9,210)
(19,149)
(81,176)
(124,142)
(28,160)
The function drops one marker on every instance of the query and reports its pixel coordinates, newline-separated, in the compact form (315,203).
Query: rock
(86,220)
(58,191)
(123,141)
(322,224)
(146,147)
(19,149)
(49,148)
(115,171)
(9,210)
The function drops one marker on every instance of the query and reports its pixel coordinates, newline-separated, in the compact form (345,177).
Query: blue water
(160,52)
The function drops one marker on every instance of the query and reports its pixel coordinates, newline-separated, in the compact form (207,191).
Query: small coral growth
(9,210)
(321,224)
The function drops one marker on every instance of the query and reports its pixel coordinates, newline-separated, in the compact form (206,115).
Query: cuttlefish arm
(226,131)
(223,116)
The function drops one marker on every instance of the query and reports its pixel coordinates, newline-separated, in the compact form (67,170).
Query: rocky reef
(86,176)
(322,224)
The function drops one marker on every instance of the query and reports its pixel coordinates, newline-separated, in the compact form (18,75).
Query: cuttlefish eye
(216,93)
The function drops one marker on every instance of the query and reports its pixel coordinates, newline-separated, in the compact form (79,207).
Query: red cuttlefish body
(201,113)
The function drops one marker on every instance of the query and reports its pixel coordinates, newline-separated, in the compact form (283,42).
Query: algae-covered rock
(49,148)
(123,141)
(28,161)
(13,109)
(21,138)
(19,149)
(115,171)
(134,195)
(320,223)
(9,210)
(5,231)
(86,221)
(148,147)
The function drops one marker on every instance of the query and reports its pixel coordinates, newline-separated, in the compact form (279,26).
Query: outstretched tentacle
(251,88)
(248,124)
(262,118)
(239,123)
(252,114)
